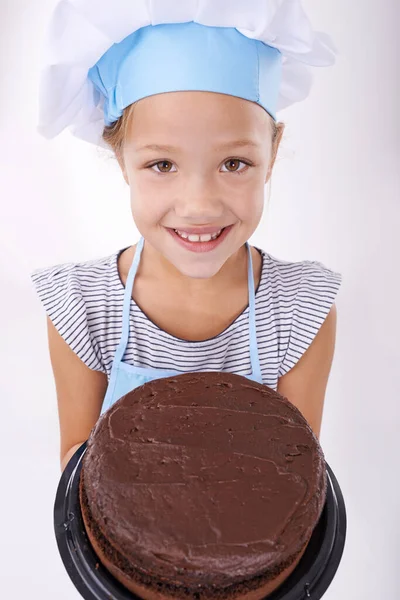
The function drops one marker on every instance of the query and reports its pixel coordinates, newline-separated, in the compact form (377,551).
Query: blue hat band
(186,57)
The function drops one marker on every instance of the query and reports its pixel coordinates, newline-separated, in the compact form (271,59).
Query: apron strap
(254,357)
(127,302)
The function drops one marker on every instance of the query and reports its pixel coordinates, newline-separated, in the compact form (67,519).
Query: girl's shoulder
(73,272)
(289,275)
(297,296)
(77,297)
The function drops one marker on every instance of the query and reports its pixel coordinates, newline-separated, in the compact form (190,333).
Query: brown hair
(114,135)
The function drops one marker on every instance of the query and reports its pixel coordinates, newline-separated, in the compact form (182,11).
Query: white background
(334,198)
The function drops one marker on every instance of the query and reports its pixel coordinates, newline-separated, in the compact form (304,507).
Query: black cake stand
(310,579)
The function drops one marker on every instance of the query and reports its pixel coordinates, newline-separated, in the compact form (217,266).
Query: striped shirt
(85,300)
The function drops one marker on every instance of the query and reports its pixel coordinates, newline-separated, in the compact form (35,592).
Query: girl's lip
(199,230)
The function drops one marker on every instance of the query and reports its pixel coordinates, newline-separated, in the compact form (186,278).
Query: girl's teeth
(206,237)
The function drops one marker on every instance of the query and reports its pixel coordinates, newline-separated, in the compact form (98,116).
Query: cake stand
(309,580)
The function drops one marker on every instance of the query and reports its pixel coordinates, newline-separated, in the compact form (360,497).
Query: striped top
(85,301)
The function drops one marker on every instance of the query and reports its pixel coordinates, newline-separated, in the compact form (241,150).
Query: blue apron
(124,377)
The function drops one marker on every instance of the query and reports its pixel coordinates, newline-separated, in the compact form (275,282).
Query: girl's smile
(200,239)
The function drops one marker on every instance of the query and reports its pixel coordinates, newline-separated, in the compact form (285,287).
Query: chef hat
(102,56)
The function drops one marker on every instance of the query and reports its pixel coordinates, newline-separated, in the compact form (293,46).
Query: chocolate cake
(206,485)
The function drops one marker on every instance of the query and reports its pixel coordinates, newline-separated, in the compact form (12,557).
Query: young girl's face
(210,158)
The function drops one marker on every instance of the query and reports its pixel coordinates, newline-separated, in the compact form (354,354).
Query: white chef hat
(102,56)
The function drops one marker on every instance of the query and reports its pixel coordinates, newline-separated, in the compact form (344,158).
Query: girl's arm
(80,394)
(305,384)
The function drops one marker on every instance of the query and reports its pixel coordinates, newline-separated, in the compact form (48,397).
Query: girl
(186,95)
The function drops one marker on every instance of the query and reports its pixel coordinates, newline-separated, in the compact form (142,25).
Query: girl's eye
(236,161)
(160,162)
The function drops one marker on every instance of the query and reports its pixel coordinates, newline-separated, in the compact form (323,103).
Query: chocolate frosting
(205,477)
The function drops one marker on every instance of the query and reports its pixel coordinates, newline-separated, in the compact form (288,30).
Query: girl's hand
(65,460)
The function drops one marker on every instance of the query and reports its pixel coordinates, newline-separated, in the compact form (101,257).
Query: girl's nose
(199,203)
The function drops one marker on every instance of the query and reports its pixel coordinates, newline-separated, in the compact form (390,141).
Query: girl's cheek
(248,205)
(148,211)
